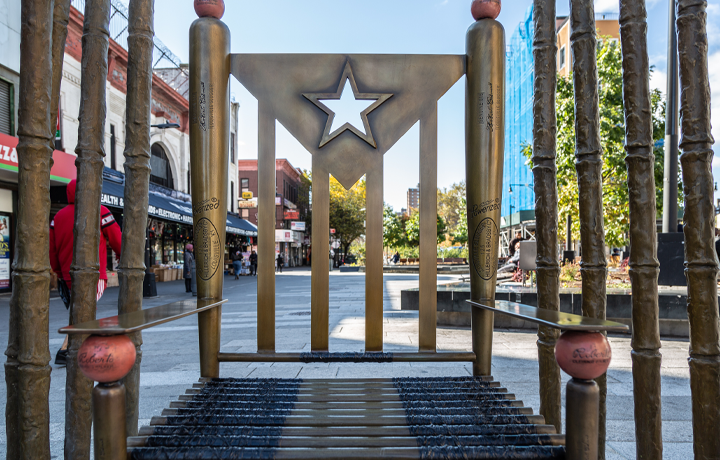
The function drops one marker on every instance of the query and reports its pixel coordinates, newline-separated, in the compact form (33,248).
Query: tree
(347,212)
(412,229)
(612,134)
(460,235)
(393,229)
(449,204)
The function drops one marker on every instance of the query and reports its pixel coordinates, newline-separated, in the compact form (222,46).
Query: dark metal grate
(409,418)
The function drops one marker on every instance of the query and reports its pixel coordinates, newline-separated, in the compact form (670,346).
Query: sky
(393,27)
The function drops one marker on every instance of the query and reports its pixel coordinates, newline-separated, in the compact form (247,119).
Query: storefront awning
(239,226)
(168,208)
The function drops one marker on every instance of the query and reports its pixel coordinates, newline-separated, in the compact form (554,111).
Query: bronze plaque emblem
(484,249)
(207,242)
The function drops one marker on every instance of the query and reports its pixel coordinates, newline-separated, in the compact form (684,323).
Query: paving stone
(171,360)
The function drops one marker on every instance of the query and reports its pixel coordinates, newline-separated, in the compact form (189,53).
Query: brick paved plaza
(171,362)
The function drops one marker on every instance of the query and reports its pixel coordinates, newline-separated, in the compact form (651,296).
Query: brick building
(292,206)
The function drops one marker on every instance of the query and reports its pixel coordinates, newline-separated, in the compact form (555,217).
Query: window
(232,197)
(113,145)
(7,103)
(244,185)
(562,57)
(232,147)
(188,180)
(161,173)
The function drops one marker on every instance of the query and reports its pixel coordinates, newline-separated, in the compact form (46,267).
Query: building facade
(518,202)
(292,208)
(413,199)
(170,210)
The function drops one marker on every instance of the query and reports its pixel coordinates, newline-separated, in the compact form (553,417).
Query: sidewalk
(171,364)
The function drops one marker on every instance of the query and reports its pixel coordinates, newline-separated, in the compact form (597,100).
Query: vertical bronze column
(700,259)
(267,212)
(61,17)
(374,288)
(84,271)
(546,204)
(209,149)
(428,232)
(644,266)
(589,163)
(484,152)
(27,373)
(137,179)
(320,281)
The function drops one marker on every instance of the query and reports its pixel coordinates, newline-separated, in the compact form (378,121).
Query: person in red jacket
(61,251)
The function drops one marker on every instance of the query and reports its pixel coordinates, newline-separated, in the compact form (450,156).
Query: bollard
(584,356)
(107,360)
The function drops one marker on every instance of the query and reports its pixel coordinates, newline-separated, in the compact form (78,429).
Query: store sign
(291,214)
(278,201)
(169,215)
(297,226)
(288,236)
(283,236)
(112,200)
(5,229)
(248,204)
(247,195)
(63,169)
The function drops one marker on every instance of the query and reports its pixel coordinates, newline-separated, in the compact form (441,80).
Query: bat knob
(210,8)
(485,9)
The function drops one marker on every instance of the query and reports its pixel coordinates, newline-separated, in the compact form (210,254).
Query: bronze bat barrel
(484,154)
(209,147)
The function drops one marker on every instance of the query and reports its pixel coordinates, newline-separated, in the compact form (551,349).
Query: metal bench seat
(404,418)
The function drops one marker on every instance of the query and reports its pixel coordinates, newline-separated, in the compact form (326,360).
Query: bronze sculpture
(644,266)
(588,155)
(137,178)
(546,209)
(27,372)
(700,258)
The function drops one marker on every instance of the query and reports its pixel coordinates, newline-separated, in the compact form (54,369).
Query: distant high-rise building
(413,199)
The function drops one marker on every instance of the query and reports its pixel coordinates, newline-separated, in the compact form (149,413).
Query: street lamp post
(510,190)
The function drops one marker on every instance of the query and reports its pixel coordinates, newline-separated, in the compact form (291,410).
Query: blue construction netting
(519,118)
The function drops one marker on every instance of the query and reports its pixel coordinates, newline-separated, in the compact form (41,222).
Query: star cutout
(317,98)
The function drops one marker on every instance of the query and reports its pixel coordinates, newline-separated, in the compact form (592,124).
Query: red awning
(63,169)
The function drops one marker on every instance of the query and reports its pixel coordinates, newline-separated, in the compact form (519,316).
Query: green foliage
(453,253)
(449,204)
(570,272)
(347,212)
(393,229)
(412,230)
(358,249)
(612,135)
(460,235)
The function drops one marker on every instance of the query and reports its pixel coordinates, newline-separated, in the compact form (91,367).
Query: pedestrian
(253,264)
(512,247)
(61,252)
(237,259)
(280,263)
(396,258)
(188,266)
